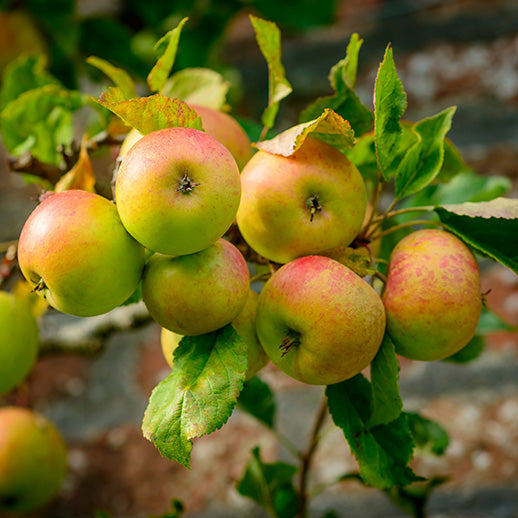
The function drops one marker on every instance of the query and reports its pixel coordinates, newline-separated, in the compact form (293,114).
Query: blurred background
(447,52)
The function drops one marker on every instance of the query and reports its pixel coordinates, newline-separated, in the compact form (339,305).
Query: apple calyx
(314,206)
(290,340)
(186,185)
(40,286)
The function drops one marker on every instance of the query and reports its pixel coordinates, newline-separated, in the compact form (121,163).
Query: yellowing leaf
(356,259)
(82,175)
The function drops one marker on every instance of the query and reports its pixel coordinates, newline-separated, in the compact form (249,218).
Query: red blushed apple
(432,296)
(319,322)
(303,204)
(177,190)
(33,460)
(196,293)
(75,252)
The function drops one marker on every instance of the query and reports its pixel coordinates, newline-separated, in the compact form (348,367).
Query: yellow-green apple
(432,295)
(18,340)
(177,190)
(75,252)
(319,322)
(303,204)
(196,293)
(244,324)
(33,460)
(217,124)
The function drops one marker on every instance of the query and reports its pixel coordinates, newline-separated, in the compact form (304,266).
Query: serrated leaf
(423,161)
(199,394)
(428,434)
(119,76)
(165,49)
(82,175)
(453,163)
(486,226)
(200,86)
(386,401)
(382,452)
(269,40)
(152,113)
(270,485)
(329,127)
(258,400)
(390,103)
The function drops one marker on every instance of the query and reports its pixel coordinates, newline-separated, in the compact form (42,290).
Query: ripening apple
(18,340)
(244,324)
(217,124)
(196,293)
(303,204)
(33,460)
(432,296)
(318,321)
(177,190)
(75,253)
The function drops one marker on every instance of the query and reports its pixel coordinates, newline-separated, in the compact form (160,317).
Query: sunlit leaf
(119,76)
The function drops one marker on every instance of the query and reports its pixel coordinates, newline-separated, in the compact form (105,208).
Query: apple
(244,324)
(75,252)
(300,205)
(19,339)
(196,293)
(432,295)
(33,460)
(318,321)
(217,124)
(177,190)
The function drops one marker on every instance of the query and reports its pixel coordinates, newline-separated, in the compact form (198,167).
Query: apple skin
(164,211)
(74,242)
(19,340)
(217,124)
(336,318)
(197,293)
(275,216)
(244,324)
(33,460)
(432,295)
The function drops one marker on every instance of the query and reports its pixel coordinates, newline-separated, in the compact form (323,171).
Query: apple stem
(290,340)
(185,184)
(314,206)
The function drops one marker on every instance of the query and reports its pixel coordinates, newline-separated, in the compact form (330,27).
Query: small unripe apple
(74,251)
(33,460)
(432,296)
(244,324)
(303,204)
(177,190)
(18,340)
(319,322)
(196,293)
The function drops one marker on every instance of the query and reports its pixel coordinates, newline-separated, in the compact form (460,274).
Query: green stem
(407,224)
(402,211)
(259,277)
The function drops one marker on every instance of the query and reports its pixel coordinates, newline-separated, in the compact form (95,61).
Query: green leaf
(41,121)
(386,401)
(257,399)
(389,105)
(199,395)
(201,86)
(177,510)
(490,322)
(329,127)
(270,485)
(119,76)
(152,113)
(423,161)
(474,348)
(487,226)
(269,40)
(165,49)
(383,452)
(453,163)
(428,435)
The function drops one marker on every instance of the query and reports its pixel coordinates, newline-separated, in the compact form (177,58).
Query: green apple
(19,340)
(33,460)
(75,252)
(244,324)
(177,190)
(432,296)
(196,293)
(303,204)
(318,321)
